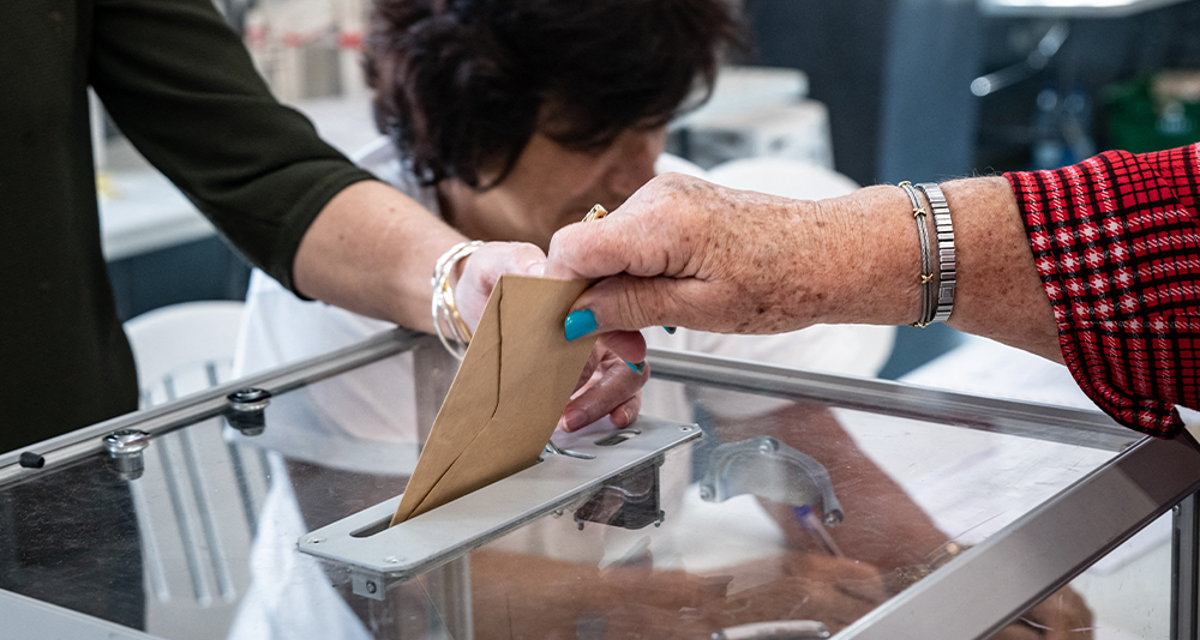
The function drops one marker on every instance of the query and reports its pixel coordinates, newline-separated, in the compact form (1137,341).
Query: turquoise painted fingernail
(579,323)
(670,330)
(638,368)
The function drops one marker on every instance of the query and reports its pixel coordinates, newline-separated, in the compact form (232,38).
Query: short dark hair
(461,85)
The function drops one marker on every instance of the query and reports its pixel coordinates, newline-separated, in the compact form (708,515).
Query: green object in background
(1141,119)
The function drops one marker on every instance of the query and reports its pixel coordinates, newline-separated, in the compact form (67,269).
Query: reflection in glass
(204,543)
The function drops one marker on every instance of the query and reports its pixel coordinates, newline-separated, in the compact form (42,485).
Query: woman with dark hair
(509,120)
(521,115)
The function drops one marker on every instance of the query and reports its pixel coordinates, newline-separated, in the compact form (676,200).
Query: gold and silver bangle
(947,266)
(451,329)
(926,277)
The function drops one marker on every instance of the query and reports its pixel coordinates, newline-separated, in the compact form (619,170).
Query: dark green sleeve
(180,84)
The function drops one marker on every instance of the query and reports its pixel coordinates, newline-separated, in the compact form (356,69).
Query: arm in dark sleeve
(1116,242)
(181,86)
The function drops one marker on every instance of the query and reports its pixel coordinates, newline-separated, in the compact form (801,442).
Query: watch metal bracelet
(947,265)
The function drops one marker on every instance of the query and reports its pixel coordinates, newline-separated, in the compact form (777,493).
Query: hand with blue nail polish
(685,252)
(579,323)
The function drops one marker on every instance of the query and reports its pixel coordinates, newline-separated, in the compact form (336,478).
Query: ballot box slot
(375,527)
(617,438)
(622,472)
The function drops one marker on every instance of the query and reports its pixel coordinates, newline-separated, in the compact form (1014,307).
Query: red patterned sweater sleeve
(1116,241)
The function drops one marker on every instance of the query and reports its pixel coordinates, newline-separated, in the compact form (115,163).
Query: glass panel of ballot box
(748,501)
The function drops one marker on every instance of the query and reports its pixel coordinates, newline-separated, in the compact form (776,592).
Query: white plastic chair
(179,350)
(183,348)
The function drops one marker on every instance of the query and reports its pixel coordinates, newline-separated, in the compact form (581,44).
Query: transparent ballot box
(748,501)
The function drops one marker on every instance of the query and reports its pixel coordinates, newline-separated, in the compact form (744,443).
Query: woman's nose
(634,165)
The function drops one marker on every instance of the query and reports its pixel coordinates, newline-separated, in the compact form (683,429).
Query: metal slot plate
(439,536)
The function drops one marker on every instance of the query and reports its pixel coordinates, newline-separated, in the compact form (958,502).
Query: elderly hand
(685,252)
(707,257)
(608,385)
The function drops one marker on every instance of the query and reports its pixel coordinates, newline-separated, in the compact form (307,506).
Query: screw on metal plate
(125,449)
(246,410)
(316,540)
(765,467)
(392,560)
(371,586)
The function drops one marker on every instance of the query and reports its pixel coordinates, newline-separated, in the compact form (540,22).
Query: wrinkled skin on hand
(696,254)
(684,252)
(607,385)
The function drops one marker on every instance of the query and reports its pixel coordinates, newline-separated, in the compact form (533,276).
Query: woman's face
(552,186)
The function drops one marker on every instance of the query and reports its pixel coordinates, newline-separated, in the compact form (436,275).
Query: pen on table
(812,524)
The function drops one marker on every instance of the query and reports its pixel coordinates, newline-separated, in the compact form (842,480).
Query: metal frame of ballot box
(988,586)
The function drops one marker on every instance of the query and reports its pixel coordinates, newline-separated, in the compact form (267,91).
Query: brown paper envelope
(505,402)
(467,414)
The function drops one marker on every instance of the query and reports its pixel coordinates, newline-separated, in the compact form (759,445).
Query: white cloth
(290,597)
